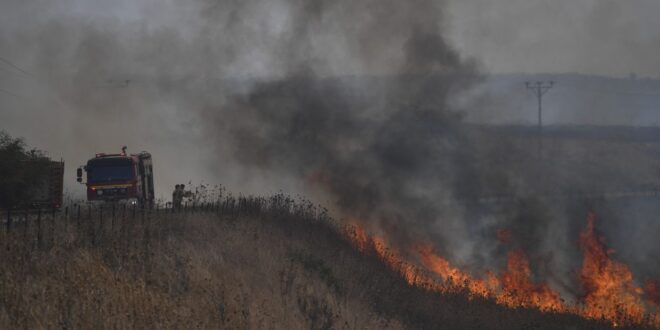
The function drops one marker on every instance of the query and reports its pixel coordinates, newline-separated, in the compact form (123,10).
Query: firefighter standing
(177,196)
(184,193)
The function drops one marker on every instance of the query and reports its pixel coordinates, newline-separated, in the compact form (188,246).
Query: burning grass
(248,263)
(609,290)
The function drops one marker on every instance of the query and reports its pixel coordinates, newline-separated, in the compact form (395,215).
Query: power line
(610,91)
(10,93)
(539,89)
(13,73)
(14,66)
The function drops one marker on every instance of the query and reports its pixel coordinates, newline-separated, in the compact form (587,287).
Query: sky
(65,63)
(601,37)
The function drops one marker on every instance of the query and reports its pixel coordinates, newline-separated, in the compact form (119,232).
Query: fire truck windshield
(109,169)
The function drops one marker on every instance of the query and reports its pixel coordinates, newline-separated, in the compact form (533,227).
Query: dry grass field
(575,160)
(246,263)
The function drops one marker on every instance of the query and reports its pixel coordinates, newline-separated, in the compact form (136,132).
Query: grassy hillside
(247,263)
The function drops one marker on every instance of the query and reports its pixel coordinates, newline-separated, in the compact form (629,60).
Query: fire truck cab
(119,177)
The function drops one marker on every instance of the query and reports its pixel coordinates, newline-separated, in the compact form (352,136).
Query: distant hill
(575,100)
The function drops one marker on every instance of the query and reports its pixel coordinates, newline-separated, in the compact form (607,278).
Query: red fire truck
(120,177)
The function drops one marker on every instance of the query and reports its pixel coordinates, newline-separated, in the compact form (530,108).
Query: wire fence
(96,224)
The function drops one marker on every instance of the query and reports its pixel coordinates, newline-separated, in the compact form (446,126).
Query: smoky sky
(140,73)
(602,37)
(345,102)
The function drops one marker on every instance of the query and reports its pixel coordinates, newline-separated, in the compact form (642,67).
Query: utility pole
(539,89)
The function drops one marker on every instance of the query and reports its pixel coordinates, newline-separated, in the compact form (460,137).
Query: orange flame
(455,278)
(514,289)
(610,292)
(391,257)
(608,285)
(519,290)
(652,292)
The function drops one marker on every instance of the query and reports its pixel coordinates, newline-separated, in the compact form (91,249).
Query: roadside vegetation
(242,262)
(20,168)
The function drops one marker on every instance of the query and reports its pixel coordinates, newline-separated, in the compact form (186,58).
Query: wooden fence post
(66,217)
(122,223)
(100,235)
(52,227)
(38,227)
(8,219)
(90,224)
(112,223)
(27,222)
(26,228)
